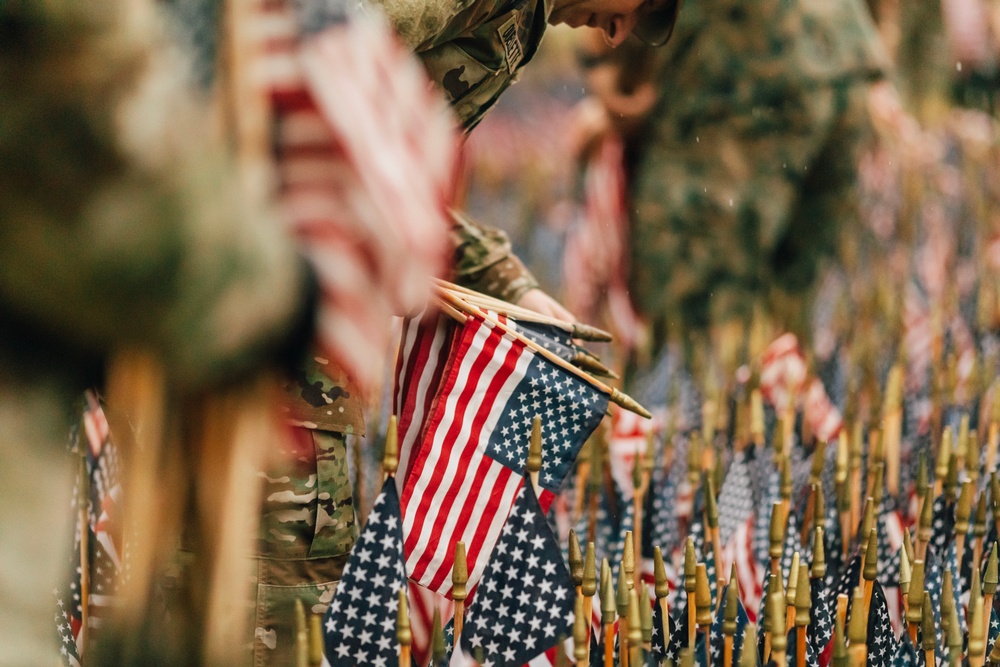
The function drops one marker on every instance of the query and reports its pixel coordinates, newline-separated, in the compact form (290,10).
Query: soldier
(745,172)
(473,52)
(111,190)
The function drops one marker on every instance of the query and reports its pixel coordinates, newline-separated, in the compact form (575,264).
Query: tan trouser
(35,532)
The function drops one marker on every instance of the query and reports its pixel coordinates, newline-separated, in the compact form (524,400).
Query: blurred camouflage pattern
(746,174)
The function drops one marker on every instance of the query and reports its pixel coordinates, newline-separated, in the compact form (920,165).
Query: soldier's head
(652,21)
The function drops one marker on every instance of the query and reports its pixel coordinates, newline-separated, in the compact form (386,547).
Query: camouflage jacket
(473,49)
(127,224)
(735,54)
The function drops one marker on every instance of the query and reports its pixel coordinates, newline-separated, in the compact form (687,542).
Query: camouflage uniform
(746,171)
(121,224)
(308,523)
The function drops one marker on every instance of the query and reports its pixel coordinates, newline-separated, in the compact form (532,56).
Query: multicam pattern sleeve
(485,262)
(121,219)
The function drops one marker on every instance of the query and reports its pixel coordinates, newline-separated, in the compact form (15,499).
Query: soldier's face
(615,18)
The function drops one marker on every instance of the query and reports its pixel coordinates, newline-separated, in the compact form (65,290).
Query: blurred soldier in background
(741,168)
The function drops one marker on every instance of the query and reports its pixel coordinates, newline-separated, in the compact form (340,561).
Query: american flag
(792,649)
(423,603)
(881,641)
(717,636)
(822,625)
(933,583)
(365,154)
(890,542)
(739,550)
(423,349)
(360,626)
(468,468)
(658,647)
(525,602)
(906,653)
(105,549)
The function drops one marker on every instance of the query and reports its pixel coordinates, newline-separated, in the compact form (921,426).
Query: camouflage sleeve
(485,262)
(121,218)
(418,22)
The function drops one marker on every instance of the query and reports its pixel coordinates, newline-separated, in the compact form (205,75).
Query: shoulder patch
(511,43)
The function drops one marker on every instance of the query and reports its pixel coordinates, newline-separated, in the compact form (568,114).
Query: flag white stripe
(434,448)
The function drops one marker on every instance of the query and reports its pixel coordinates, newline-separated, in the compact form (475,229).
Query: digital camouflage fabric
(747,171)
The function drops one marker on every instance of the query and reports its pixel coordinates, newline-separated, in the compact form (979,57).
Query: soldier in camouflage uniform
(745,174)
(473,52)
(113,192)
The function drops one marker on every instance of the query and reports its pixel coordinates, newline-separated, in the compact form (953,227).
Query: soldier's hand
(540,302)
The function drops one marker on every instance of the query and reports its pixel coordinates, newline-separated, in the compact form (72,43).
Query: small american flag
(467,470)
(881,641)
(906,654)
(360,626)
(105,553)
(525,603)
(821,628)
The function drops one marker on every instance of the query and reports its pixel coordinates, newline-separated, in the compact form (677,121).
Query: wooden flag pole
(403,634)
(616,396)
(662,590)
(870,569)
(962,514)
(621,606)
(638,494)
(914,609)
(979,527)
(929,638)
(802,616)
(645,618)
(634,630)
(608,611)
(577,329)
(390,458)
(857,630)
(575,560)
(790,587)
(776,537)
(892,424)
(301,635)
(580,623)
(776,623)
(978,623)
(628,561)
(690,586)
(534,463)
(596,479)
(315,640)
(588,587)
(712,521)
(954,638)
(703,613)
(459,578)
(729,619)
(990,580)
(439,648)
(856,451)
(583,463)
(904,582)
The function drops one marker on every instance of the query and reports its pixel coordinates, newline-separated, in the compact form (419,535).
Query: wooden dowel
(617,397)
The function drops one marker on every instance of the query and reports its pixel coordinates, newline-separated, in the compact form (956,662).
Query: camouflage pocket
(335,530)
(279,584)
